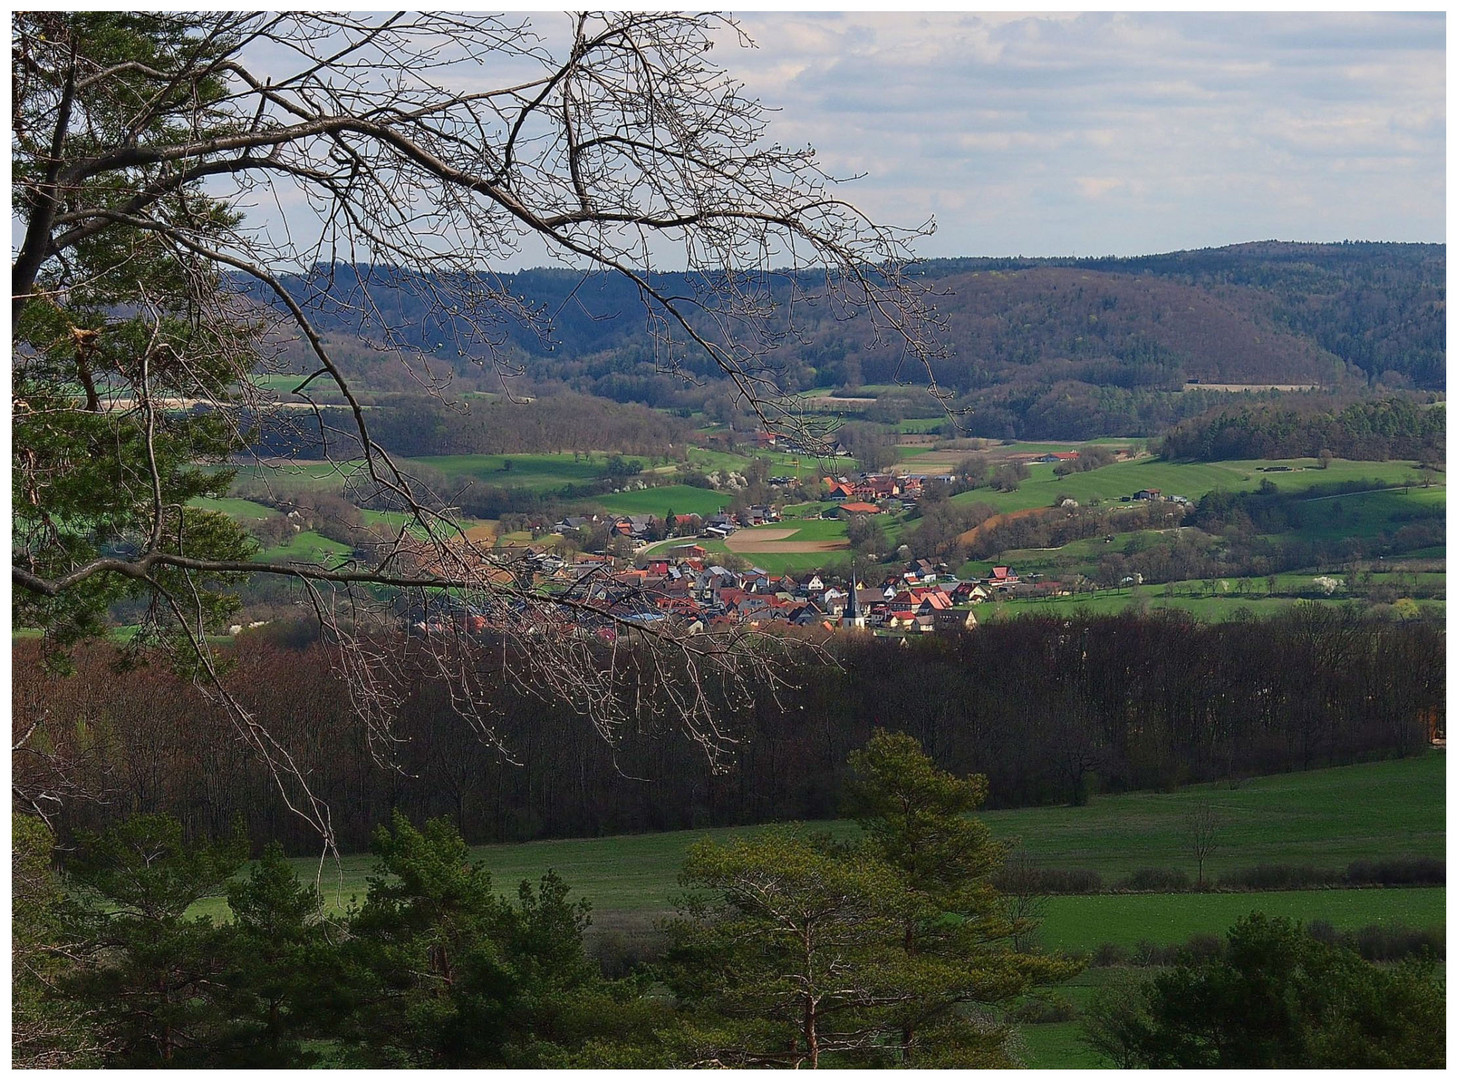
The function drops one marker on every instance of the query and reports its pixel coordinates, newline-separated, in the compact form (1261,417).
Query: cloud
(1182,130)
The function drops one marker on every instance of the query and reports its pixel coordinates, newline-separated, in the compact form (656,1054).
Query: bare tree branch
(134,173)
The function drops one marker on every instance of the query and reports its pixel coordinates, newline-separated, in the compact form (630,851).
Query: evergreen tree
(891,949)
(1276,997)
(280,962)
(953,930)
(151,981)
(791,960)
(46,1029)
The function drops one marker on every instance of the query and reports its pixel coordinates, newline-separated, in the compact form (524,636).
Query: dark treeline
(1049,709)
(420,425)
(1392,428)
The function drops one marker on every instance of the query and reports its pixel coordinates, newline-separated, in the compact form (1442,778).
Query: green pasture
(1435,552)
(1326,817)
(1056,1046)
(304,547)
(532,472)
(781,562)
(806,529)
(1192,480)
(1085,922)
(679,498)
(1153,598)
(1365,514)
(287,477)
(706,460)
(238,509)
(929,425)
(785,562)
(283,384)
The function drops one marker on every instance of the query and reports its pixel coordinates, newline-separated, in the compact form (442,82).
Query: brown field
(484,533)
(973,533)
(772,541)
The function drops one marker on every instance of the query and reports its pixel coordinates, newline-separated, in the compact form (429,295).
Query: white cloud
(1183,130)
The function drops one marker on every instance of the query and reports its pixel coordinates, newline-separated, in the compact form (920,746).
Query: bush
(1022,880)
(1109,955)
(1055,1009)
(1401,871)
(1389,944)
(1150,954)
(1270,876)
(1155,879)
(1273,997)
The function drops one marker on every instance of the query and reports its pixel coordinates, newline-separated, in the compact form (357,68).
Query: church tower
(852,618)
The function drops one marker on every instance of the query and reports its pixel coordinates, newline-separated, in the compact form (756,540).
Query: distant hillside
(1036,347)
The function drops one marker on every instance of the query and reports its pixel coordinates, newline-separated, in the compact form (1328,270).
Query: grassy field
(1152,598)
(292,477)
(1327,817)
(1085,922)
(304,547)
(238,509)
(532,472)
(1191,480)
(679,498)
(780,462)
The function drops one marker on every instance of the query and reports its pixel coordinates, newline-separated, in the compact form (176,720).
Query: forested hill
(1379,307)
(1022,334)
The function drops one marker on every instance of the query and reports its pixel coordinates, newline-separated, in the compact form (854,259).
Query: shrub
(1022,880)
(1155,879)
(1109,955)
(1408,870)
(1054,1009)
(1151,954)
(1268,876)
(1388,944)
(1274,997)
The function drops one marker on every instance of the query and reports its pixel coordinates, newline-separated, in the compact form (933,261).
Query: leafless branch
(626,148)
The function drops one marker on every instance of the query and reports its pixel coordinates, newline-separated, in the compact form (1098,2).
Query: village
(642,578)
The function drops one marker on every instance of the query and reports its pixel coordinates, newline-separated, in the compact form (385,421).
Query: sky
(1116,134)
(1090,134)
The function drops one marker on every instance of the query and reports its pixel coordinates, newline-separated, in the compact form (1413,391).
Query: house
(1002,576)
(948,622)
(1146,495)
(859,508)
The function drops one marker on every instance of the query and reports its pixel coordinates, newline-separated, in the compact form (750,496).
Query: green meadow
(532,472)
(678,498)
(1152,598)
(1326,817)
(304,547)
(238,509)
(1191,480)
(1086,922)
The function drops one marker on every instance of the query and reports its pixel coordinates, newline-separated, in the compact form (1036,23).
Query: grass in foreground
(1327,817)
